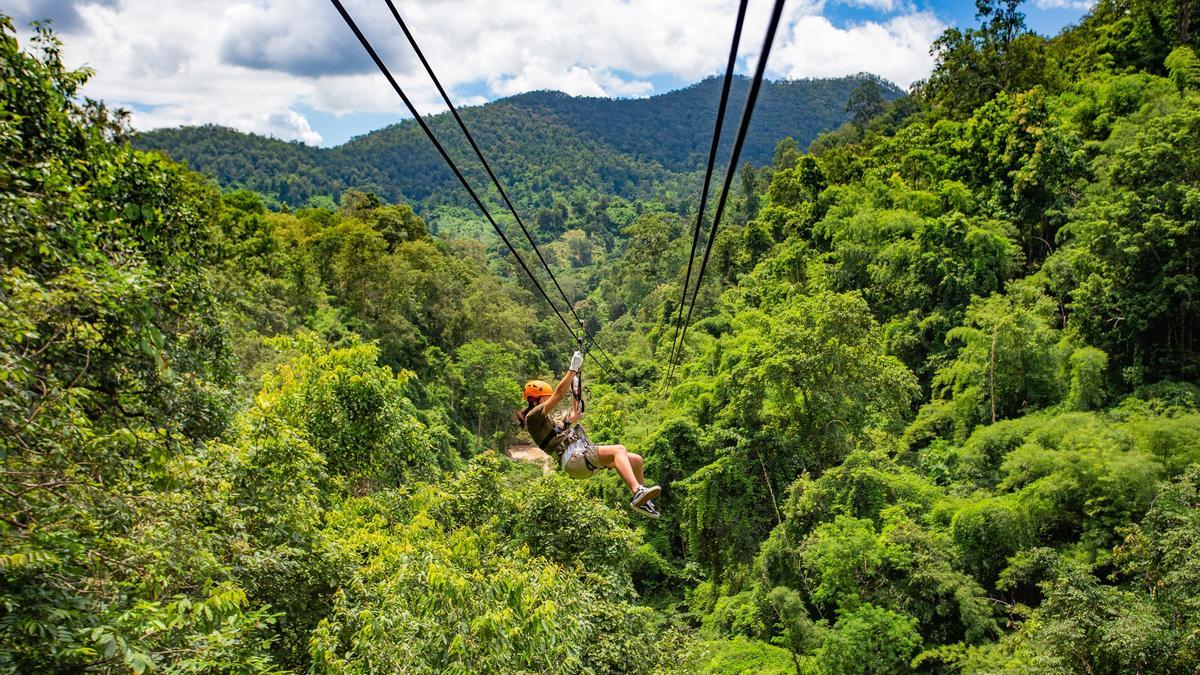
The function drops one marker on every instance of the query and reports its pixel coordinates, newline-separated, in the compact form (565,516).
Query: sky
(291,69)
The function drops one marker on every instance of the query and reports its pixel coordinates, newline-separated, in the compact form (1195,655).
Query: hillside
(675,129)
(542,143)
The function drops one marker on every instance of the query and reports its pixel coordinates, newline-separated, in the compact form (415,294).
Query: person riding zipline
(566,440)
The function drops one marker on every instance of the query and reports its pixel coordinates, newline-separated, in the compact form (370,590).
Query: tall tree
(866,102)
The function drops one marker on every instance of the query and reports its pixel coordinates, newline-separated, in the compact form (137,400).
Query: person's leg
(635,461)
(617,457)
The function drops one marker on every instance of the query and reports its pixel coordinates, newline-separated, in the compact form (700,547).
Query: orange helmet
(537,388)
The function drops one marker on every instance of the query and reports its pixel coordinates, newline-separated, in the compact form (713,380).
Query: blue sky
(1047,18)
(291,69)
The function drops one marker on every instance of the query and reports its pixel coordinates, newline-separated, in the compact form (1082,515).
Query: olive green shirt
(541,428)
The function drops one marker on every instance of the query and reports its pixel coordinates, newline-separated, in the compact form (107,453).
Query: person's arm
(575,414)
(563,385)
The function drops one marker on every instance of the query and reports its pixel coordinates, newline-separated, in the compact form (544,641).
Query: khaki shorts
(576,457)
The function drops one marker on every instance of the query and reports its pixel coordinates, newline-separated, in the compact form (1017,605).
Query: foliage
(934,411)
(353,413)
(739,655)
(794,389)
(1008,362)
(112,374)
(1149,625)
(445,581)
(1183,67)
(976,64)
(483,376)
(1137,243)
(868,640)
(866,102)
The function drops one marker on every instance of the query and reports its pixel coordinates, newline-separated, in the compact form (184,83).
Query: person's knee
(635,458)
(613,452)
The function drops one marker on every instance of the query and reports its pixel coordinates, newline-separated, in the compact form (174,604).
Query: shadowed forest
(936,412)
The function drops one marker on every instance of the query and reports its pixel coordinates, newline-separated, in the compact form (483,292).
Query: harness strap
(558,438)
(590,466)
(545,442)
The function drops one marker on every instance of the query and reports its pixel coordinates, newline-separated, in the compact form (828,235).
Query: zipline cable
(450,162)
(712,158)
(491,174)
(739,141)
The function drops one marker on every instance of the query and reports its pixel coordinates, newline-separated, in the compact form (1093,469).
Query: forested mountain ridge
(543,144)
(675,129)
(937,411)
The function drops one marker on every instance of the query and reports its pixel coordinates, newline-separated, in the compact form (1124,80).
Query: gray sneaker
(644,494)
(648,509)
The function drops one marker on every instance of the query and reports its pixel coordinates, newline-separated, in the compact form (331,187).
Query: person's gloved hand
(576,361)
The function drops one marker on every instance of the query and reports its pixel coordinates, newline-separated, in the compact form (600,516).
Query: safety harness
(549,440)
(560,440)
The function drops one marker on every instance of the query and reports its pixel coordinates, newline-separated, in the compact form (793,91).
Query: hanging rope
(453,167)
(739,141)
(712,157)
(491,174)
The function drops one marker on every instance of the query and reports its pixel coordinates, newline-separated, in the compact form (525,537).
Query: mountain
(675,129)
(543,144)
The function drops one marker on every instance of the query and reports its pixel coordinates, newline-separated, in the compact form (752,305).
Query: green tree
(987,533)
(1133,246)
(1183,67)
(975,64)
(398,223)
(787,153)
(115,370)
(483,575)
(1008,362)
(1089,379)
(807,362)
(653,252)
(869,640)
(797,387)
(352,411)
(359,204)
(866,102)
(485,382)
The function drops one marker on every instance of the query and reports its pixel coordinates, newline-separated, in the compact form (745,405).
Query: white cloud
(293,125)
(897,49)
(574,80)
(288,125)
(303,38)
(252,64)
(881,5)
(1065,4)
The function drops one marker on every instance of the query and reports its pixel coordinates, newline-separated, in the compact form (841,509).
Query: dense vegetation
(547,146)
(938,411)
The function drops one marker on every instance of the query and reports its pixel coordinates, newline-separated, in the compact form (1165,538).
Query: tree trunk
(1184,19)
